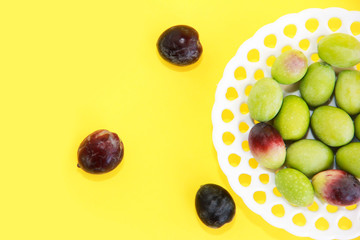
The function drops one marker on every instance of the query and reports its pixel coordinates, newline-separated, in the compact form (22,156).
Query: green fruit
(347,91)
(292,121)
(357,126)
(318,84)
(333,126)
(309,156)
(348,158)
(295,187)
(289,67)
(339,50)
(265,99)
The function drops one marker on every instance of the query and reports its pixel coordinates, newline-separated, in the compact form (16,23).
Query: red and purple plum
(267,146)
(100,152)
(180,45)
(289,67)
(337,187)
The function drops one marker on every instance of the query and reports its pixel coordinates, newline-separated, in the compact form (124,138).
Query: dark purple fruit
(180,45)
(337,187)
(100,152)
(214,205)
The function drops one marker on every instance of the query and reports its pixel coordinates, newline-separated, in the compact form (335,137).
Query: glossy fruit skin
(347,91)
(265,99)
(293,119)
(100,152)
(337,187)
(180,45)
(214,205)
(333,126)
(267,146)
(295,187)
(309,156)
(348,158)
(289,67)
(318,84)
(339,50)
(357,126)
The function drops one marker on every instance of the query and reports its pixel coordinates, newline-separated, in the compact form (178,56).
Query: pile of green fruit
(305,167)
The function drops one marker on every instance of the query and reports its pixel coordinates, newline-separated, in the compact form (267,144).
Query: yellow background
(68,68)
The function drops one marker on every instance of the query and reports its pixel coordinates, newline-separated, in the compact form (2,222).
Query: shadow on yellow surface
(179,68)
(99,177)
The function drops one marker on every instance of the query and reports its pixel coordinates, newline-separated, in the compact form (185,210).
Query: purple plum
(267,146)
(337,187)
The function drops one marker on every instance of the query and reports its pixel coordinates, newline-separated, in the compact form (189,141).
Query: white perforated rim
(220,127)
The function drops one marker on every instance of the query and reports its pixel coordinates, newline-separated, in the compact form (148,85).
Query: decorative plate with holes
(231,123)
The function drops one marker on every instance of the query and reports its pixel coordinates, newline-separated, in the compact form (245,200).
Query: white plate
(230,114)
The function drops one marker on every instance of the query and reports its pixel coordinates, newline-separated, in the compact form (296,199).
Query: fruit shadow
(102,176)
(179,68)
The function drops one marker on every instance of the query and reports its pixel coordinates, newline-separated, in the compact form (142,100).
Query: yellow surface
(68,68)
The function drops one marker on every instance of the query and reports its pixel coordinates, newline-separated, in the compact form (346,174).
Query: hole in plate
(334,24)
(228,138)
(253,55)
(286,48)
(312,24)
(313,207)
(352,207)
(355,28)
(278,210)
(270,41)
(253,163)
(264,178)
(319,38)
(315,57)
(276,192)
(290,30)
(331,208)
(357,67)
(259,197)
(244,108)
(240,73)
(344,223)
(270,61)
(299,220)
(321,224)
(245,180)
(234,160)
(231,94)
(243,127)
(245,146)
(227,116)
(259,74)
(304,44)
(247,90)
